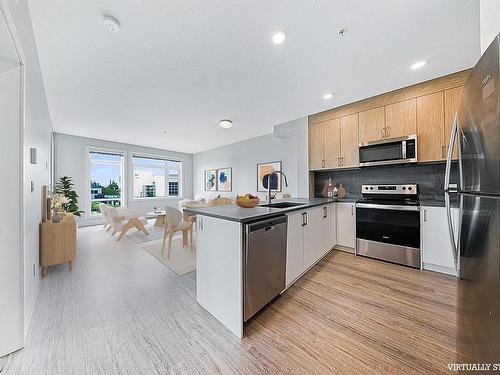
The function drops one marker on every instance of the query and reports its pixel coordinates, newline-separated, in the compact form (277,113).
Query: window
(155,177)
(106,179)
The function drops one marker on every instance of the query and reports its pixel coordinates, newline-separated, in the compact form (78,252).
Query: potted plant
(64,187)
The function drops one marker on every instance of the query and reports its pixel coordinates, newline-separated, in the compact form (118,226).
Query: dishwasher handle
(265,224)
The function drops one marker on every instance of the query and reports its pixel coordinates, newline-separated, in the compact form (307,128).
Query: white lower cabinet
(437,251)
(294,247)
(346,225)
(311,234)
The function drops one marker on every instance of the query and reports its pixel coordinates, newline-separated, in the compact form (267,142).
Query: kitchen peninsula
(232,282)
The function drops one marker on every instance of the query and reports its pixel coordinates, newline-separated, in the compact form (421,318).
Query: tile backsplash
(429,177)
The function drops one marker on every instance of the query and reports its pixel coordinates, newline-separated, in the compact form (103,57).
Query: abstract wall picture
(211,180)
(264,170)
(224,179)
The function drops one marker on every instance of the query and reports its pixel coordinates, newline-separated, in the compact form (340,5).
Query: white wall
(11,293)
(71,159)
(37,134)
(288,145)
(490,21)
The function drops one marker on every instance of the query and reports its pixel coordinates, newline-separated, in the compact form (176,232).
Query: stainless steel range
(388,224)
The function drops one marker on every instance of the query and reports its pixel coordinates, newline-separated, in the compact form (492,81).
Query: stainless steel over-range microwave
(388,151)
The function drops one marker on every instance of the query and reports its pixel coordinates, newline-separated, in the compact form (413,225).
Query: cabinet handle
(338,161)
(352,210)
(342,162)
(382,131)
(305,218)
(322,163)
(201,224)
(387,132)
(325,212)
(443,151)
(425,215)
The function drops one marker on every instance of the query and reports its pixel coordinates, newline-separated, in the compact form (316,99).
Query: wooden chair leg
(170,235)
(191,238)
(165,234)
(125,229)
(139,226)
(184,238)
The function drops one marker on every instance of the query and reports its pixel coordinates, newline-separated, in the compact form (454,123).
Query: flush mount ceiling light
(112,24)
(418,65)
(328,96)
(279,37)
(225,124)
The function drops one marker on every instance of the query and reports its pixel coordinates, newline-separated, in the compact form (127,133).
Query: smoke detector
(111,23)
(342,31)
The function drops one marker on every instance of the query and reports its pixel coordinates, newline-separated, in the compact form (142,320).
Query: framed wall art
(264,170)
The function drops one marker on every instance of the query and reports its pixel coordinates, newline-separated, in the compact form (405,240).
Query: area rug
(155,233)
(182,260)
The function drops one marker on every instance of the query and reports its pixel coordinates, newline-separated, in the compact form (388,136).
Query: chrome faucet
(269,196)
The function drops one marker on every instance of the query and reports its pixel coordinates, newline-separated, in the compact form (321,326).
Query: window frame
(124,178)
(160,157)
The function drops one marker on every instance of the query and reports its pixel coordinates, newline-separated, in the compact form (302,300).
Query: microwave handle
(403,149)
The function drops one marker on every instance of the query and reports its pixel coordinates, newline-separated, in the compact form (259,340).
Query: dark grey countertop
(244,215)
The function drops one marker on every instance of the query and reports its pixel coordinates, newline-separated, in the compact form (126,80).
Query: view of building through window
(106,171)
(156,177)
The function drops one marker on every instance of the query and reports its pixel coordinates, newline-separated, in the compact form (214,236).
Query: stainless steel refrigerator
(477,130)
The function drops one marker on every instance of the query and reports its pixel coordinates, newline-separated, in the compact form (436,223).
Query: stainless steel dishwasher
(264,263)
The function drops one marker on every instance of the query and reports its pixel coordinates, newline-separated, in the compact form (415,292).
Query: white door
(437,252)
(346,225)
(294,247)
(313,236)
(330,229)
(11,250)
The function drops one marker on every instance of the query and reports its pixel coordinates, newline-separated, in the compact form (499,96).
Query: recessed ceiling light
(328,96)
(225,124)
(279,37)
(112,24)
(418,64)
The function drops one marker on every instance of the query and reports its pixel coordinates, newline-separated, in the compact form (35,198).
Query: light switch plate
(33,155)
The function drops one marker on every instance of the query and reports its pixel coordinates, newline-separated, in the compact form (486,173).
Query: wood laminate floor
(120,311)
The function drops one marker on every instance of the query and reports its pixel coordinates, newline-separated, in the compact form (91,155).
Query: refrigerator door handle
(450,228)
(453,137)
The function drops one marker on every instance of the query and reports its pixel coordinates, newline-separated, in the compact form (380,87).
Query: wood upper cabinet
(371,125)
(401,119)
(430,127)
(316,146)
(332,143)
(324,145)
(451,104)
(349,141)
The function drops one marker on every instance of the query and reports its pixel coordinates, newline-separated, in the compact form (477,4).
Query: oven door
(389,233)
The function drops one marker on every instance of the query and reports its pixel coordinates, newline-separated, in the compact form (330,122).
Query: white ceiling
(182,65)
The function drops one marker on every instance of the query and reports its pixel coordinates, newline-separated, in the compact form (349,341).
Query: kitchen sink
(282,204)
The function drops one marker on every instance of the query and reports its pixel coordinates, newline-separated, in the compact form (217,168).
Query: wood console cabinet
(426,109)
(57,242)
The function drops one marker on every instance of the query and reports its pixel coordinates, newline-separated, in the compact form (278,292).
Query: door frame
(6,16)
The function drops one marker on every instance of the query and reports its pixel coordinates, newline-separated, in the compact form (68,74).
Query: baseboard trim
(344,248)
(441,269)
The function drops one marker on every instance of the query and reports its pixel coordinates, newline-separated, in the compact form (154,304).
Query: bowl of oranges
(247,201)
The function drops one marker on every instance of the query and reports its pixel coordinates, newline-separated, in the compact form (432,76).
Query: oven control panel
(406,189)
